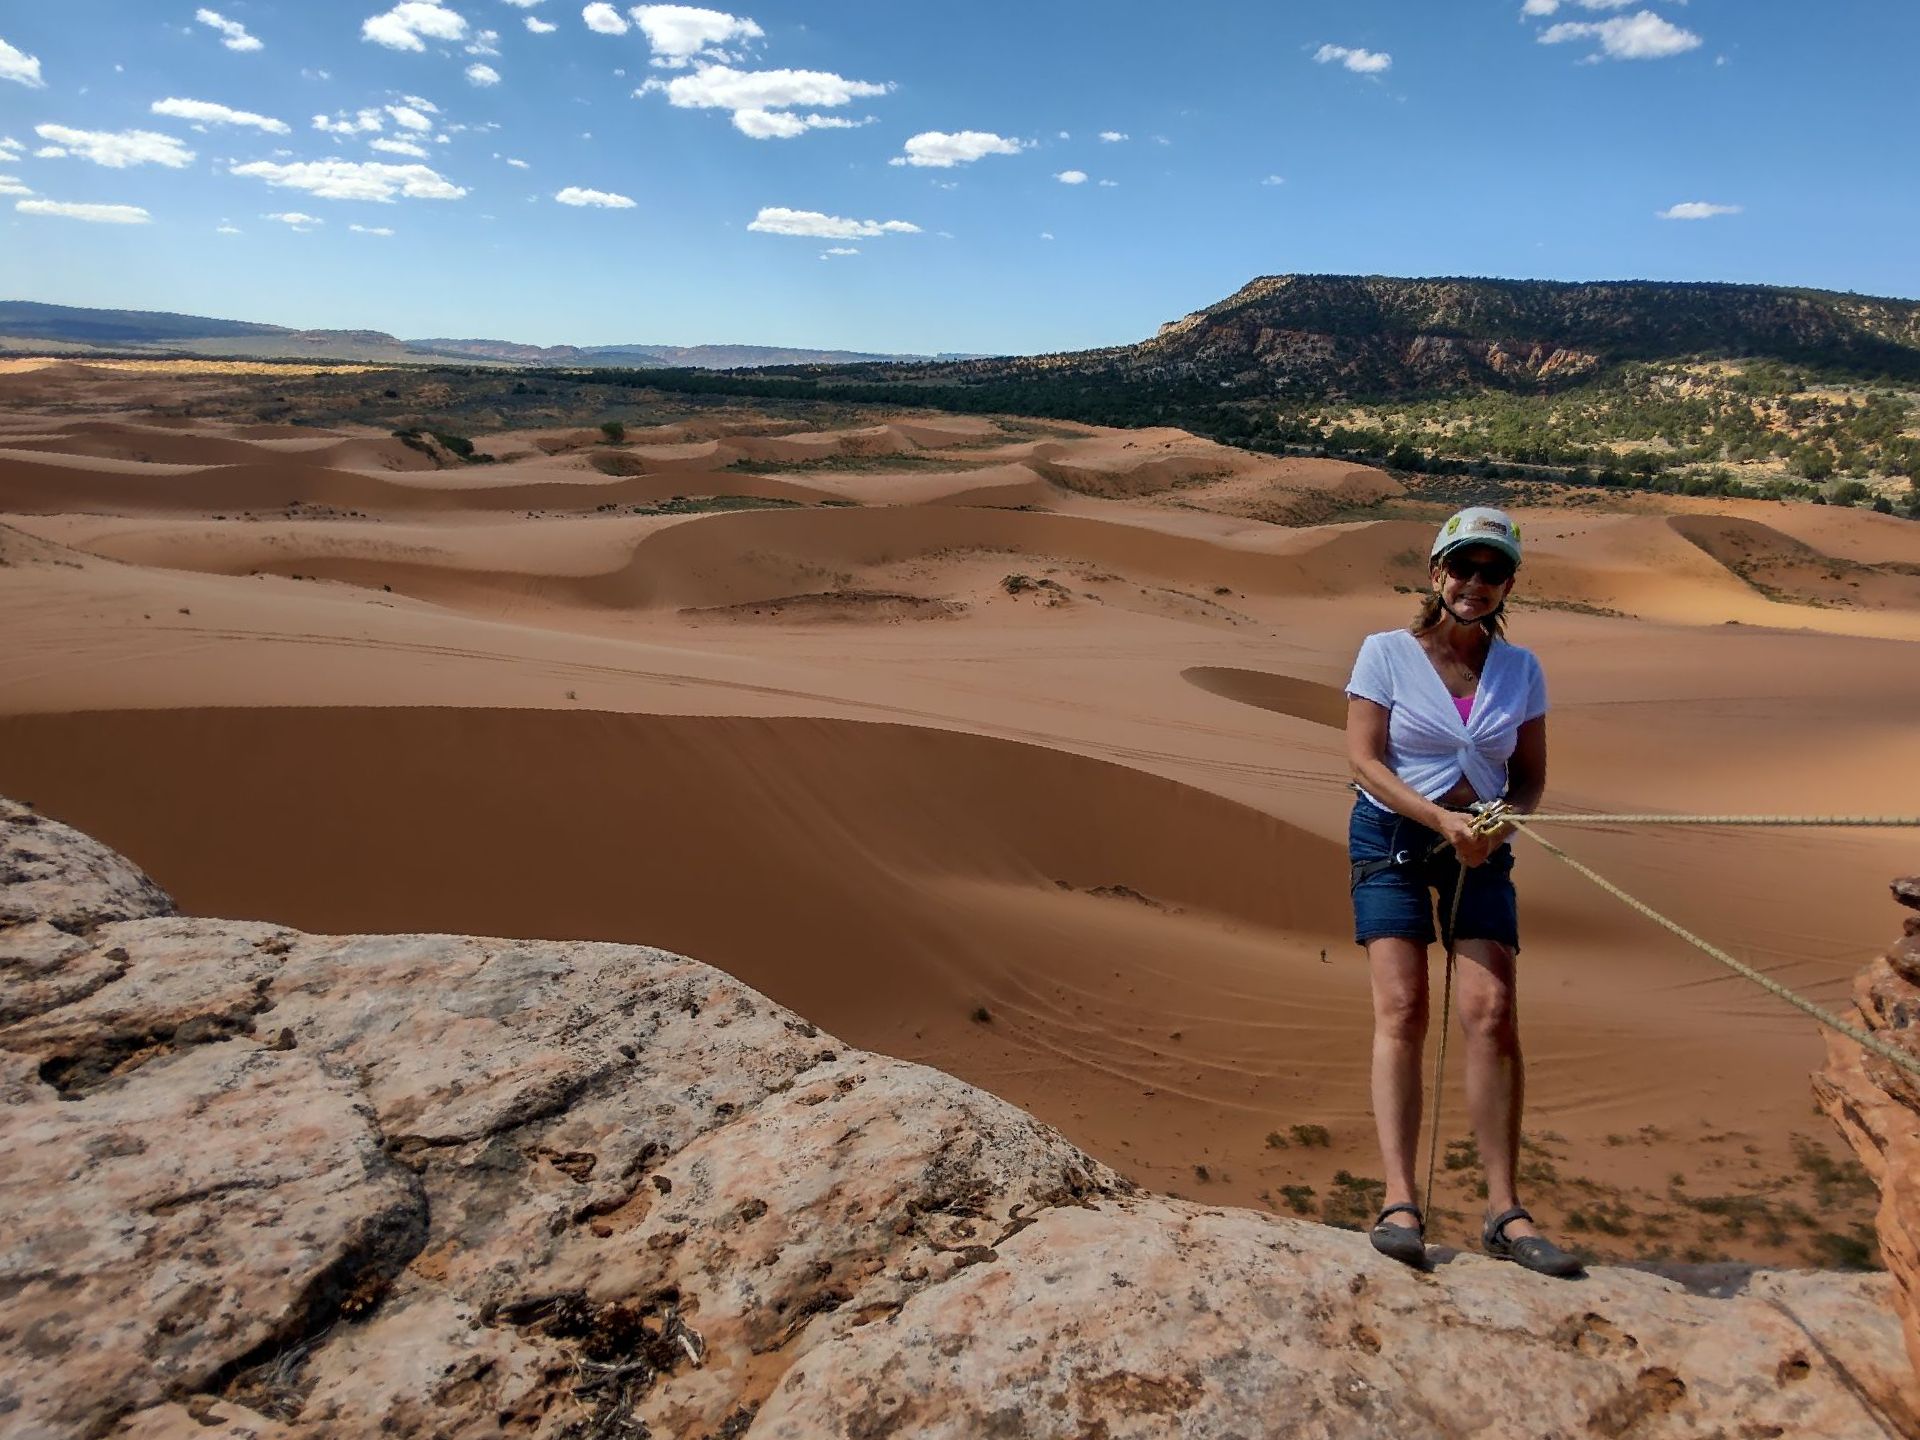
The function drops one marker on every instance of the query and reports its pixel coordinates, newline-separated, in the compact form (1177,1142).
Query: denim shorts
(1400,900)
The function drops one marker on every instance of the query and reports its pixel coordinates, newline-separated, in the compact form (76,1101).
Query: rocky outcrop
(269,1184)
(1876,1104)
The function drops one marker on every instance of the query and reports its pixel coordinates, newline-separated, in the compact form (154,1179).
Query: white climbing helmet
(1479,525)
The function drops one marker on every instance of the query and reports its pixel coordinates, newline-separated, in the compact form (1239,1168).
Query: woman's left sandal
(1405,1243)
(1529,1252)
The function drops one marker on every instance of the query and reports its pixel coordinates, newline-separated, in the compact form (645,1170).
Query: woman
(1441,715)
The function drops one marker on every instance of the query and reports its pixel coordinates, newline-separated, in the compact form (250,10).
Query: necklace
(1446,654)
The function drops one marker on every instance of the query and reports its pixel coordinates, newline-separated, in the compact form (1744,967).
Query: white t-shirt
(1428,745)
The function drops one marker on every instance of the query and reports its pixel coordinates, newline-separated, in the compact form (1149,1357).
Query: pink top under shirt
(1464,704)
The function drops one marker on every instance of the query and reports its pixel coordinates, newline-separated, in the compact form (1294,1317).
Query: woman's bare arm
(1527,766)
(1367,759)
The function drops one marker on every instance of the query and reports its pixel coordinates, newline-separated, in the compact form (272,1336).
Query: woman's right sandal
(1405,1243)
(1530,1252)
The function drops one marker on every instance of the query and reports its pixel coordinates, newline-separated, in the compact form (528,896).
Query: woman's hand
(1471,849)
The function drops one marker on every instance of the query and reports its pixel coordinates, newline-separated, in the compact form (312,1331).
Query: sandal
(1407,1244)
(1529,1252)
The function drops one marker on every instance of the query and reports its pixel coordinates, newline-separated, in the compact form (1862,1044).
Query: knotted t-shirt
(1428,745)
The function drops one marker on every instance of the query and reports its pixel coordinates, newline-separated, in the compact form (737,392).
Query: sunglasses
(1496,571)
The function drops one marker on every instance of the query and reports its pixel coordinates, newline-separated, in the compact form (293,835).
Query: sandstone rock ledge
(268,1184)
(1877,1105)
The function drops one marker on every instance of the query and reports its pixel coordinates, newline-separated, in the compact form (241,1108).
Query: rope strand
(1440,1053)
(1495,814)
(1866,822)
(1860,1037)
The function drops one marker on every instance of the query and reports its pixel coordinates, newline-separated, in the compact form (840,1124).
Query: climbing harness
(1491,815)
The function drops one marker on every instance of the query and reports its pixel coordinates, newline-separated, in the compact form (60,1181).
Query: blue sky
(721,160)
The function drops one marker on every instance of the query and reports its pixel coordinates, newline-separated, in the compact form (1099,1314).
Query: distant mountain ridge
(1288,337)
(698,357)
(23,323)
(1363,335)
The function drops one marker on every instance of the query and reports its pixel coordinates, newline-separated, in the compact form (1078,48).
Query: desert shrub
(1353,1201)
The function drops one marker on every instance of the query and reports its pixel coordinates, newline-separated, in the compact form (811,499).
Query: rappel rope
(1491,815)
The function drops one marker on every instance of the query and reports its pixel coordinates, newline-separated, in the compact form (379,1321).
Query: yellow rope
(1440,1053)
(1493,815)
(1873,822)
(1766,982)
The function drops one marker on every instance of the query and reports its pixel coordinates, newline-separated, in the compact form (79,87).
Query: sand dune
(1283,694)
(1040,728)
(1779,565)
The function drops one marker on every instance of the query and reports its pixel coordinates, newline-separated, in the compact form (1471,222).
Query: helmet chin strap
(1459,619)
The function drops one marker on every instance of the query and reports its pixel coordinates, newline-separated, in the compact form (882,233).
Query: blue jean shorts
(1400,900)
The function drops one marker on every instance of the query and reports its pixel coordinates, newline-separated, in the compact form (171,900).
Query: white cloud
(754,97)
(539,26)
(1548,7)
(680,34)
(1696,210)
(48,152)
(832,250)
(353,180)
(1629,37)
(403,27)
(524,4)
(487,43)
(483,75)
(9,145)
(1109,184)
(302,223)
(778,220)
(398,147)
(943,151)
(1072,177)
(225,229)
(366,120)
(1113,137)
(10,185)
(519,164)
(604,199)
(781,125)
(1274,180)
(761,99)
(603,19)
(380,230)
(118,149)
(234,34)
(205,112)
(21,67)
(409,118)
(1361,62)
(1046,234)
(98,214)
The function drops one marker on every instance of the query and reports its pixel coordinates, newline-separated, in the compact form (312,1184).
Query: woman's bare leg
(1496,1076)
(1399,973)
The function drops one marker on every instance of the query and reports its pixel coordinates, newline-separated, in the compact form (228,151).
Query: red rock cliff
(1876,1104)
